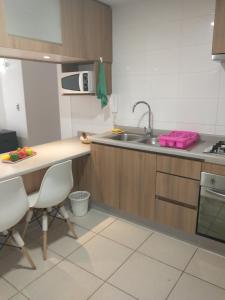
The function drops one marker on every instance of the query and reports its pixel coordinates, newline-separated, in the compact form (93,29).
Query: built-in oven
(211,207)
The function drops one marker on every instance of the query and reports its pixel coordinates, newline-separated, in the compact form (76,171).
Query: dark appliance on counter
(8,141)
(211,208)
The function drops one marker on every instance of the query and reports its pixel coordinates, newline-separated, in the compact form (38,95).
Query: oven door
(211,210)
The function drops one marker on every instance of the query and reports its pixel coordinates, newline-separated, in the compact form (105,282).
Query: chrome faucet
(149,129)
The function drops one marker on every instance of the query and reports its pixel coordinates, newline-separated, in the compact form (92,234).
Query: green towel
(102,86)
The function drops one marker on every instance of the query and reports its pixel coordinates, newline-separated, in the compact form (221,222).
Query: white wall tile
(199,85)
(197,31)
(197,59)
(196,8)
(162,54)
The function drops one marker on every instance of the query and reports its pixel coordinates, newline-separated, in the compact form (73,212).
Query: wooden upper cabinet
(97,30)
(86,27)
(219,28)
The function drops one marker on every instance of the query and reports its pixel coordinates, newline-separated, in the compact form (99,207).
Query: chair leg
(29,216)
(66,217)
(45,234)
(19,241)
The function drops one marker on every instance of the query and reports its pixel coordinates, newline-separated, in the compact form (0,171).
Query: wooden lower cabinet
(213,168)
(181,218)
(179,166)
(137,183)
(124,179)
(185,191)
(105,163)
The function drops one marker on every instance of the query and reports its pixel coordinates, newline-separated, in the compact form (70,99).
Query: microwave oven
(78,82)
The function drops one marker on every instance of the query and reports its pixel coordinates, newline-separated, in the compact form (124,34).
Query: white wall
(162,54)
(13,94)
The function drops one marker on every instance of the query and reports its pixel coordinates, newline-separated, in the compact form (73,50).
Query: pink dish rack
(178,139)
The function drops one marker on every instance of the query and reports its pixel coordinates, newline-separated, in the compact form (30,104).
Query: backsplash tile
(161,54)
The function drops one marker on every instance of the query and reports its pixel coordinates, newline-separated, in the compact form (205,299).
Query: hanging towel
(101,85)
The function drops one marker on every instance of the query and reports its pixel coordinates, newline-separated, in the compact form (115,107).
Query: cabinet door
(137,183)
(219,28)
(105,163)
(181,218)
(97,28)
(86,27)
(183,191)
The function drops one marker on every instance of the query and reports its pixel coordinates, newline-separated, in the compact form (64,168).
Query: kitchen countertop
(47,155)
(195,152)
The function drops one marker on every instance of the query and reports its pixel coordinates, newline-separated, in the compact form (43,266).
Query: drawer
(179,189)
(213,168)
(179,166)
(181,218)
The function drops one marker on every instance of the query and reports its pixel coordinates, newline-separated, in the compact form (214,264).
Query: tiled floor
(112,260)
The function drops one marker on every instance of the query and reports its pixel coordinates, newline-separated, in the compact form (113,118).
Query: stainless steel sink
(150,140)
(126,137)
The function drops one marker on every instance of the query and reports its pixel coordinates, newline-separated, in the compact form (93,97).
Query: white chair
(13,207)
(55,187)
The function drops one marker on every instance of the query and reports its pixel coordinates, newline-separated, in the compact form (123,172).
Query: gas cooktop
(218,148)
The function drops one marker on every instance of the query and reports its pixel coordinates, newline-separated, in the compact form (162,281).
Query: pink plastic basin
(178,139)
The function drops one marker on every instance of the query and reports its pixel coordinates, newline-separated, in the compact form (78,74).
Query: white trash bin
(79,202)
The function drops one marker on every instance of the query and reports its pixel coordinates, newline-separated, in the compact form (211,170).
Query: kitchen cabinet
(179,166)
(213,168)
(177,192)
(150,186)
(86,27)
(183,191)
(176,216)
(124,179)
(219,28)
(105,177)
(137,183)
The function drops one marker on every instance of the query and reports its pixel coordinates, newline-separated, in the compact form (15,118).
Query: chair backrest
(13,202)
(56,185)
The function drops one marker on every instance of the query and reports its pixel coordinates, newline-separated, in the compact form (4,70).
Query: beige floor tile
(126,233)
(100,256)
(190,287)
(95,220)
(63,242)
(18,297)
(208,266)
(16,269)
(65,281)
(108,292)
(145,278)
(168,250)
(6,290)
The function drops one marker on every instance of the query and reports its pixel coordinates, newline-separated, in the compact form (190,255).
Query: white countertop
(47,155)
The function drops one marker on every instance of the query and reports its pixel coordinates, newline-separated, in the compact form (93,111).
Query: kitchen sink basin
(150,140)
(126,137)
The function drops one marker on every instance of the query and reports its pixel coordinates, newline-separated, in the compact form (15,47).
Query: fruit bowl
(17,155)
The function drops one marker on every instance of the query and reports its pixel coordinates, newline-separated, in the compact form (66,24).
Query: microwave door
(71,83)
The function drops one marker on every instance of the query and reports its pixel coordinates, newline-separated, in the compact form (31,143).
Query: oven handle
(214,192)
